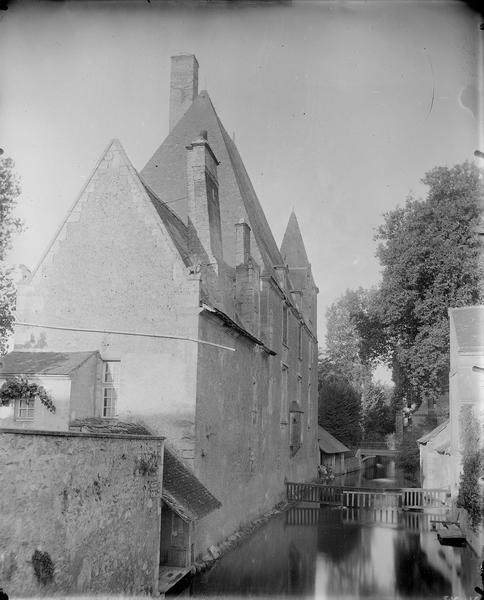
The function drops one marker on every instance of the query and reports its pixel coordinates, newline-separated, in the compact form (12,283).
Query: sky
(338,108)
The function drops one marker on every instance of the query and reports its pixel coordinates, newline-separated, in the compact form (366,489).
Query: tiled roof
(42,363)
(97,425)
(165,175)
(183,492)
(469,327)
(328,443)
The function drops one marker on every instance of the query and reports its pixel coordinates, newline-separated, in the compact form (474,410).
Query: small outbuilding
(331,451)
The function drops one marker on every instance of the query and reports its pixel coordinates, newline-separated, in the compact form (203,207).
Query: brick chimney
(204,228)
(183,85)
(247,280)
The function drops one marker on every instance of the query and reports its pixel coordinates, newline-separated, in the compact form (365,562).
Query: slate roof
(328,443)
(43,363)
(292,247)
(174,225)
(183,492)
(469,327)
(165,175)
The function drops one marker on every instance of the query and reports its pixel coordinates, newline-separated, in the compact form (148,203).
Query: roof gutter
(228,322)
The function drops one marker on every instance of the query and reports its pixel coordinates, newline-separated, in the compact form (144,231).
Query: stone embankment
(215,552)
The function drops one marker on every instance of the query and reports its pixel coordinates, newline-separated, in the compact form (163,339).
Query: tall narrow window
(300,342)
(309,406)
(24,409)
(295,431)
(284,324)
(255,401)
(284,405)
(110,388)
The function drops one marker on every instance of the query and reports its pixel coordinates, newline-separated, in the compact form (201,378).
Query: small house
(331,451)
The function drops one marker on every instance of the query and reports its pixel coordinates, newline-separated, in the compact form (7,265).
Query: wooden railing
(313,492)
(422,498)
(371,499)
(393,498)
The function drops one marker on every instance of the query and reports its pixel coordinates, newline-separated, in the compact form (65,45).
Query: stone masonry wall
(79,513)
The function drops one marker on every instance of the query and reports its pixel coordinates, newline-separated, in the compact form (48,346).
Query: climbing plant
(469,497)
(17,388)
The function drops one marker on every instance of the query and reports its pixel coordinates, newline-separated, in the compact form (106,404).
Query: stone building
(202,329)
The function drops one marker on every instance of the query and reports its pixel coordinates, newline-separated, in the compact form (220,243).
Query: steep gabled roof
(115,158)
(292,247)
(165,175)
(43,363)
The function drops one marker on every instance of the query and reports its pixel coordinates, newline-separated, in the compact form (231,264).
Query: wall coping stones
(81,434)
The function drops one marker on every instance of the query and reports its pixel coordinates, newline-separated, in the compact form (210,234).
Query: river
(331,552)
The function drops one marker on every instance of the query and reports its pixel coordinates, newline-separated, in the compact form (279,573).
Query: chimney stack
(183,85)
(242,242)
(205,232)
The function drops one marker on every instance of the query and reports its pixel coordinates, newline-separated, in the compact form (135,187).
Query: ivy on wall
(469,497)
(17,388)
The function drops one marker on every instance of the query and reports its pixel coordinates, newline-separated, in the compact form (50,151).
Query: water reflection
(330,553)
(380,472)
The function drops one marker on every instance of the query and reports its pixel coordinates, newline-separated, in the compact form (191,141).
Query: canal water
(325,552)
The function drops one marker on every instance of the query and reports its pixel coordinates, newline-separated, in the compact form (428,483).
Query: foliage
(429,255)
(43,567)
(343,339)
(16,388)
(378,418)
(339,407)
(408,458)
(469,496)
(9,225)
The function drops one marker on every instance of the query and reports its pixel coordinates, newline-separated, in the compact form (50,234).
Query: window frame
(30,409)
(110,404)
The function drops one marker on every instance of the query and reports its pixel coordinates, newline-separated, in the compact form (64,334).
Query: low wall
(79,512)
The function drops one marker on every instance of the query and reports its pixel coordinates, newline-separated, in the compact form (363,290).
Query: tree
(9,225)
(430,258)
(339,405)
(378,418)
(343,340)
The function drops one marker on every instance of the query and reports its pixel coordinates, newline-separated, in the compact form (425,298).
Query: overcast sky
(338,108)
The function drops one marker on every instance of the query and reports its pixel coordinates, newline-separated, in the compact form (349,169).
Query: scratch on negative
(433,89)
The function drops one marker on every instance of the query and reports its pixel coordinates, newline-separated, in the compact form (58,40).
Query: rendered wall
(243,454)
(59,389)
(114,267)
(84,506)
